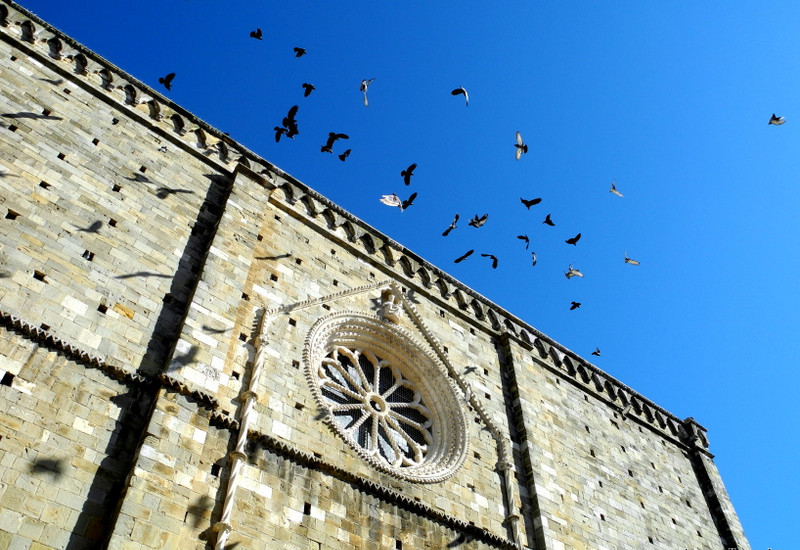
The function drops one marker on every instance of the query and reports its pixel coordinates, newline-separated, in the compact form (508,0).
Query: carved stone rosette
(386,396)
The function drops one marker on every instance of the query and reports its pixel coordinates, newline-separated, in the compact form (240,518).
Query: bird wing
(519,139)
(391,200)
(518,153)
(464,257)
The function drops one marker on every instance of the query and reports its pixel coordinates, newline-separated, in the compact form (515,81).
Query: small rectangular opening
(298,261)
(44,326)
(591,452)
(292,322)
(39,276)
(46,112)
(112,222)
(95,141)
(299,406)
(44,185)
(88,255)
(61,156)
(102,308)
(296,364)
(235,375)
(11,215)
(245,297)
(7,379)
(242,337)
(260,237)
(12,128)
(273,277)
(215,470)
(116,188)
(306,508)
(142,169)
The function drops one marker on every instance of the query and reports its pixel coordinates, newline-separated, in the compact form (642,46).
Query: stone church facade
(198,351)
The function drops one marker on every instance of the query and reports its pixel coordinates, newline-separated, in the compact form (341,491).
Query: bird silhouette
(452,226)
(407,173)
(344,155)
(575,305)
(290,123)
(478,221)
(630,261)
(391,200)
(526,239)
(548,221)
(494,259)
(409,201)
(93,228)
(257,34)
(614,189)
(533,258)
(363,87)
(776,120)
(596,352)
(307,89)
(299,52)
(466,255)
(530,202)
(520,147)
(332,137)
(574,240)
(462,91)
(572,272)
(280,131)
(167,80)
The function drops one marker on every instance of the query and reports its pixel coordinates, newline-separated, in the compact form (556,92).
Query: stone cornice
(131,96)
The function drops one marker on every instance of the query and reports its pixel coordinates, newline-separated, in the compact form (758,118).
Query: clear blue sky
(670,99)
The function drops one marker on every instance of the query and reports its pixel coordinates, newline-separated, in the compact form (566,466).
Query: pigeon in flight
(776,120)
(167,80)
(575,305)
(290,123)
(299,52)
(332,137)
(530,202)
(407,173)
(391,200)
(344,155)
(572,272)
(409,201)
(494,259)
(614,189)
(257,34)
(452,226)
(596,352)
(462,91)
(630,260)
(466,255)
(520,146)
(548,221)
(574,240)
(533,258)
(307,89)
(478,221)
(526,239)
(364,85)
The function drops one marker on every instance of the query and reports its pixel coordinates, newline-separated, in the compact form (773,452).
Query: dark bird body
(478,221)
(344,155)
(409,201)
(290,123)
(299,52)
(307,89)
(596,352)
(466,255)
(494,259)
(332,137)
(462,91)
(574,240)
(520,147)
(548,221)
(407,173)
(167,80)
(575,305)
(776,120)
(526,239)
(452,226)
(530,202)
(257,34)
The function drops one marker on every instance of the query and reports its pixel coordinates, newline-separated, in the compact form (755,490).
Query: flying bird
(776,120)
(332,137)
(596,352)
(533,258)
(364,85)
(462,91)
(290,123)
(93,228)
(391,200)
(299,52)
(452,226)
(530,202)
(614,189)
(344,155)
(520,146)
(307,89)
(574,240)
(630,260)
(478,221)
(257,34)
(407,173)
(572,272)
(466,255)
(167,80)
(409,201)
(494,259)
(526,239)
(575,305)
(548,221)
(280,131)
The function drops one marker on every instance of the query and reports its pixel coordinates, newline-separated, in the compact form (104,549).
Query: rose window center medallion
(386,397)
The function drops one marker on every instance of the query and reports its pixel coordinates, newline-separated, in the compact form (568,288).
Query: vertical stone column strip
(719,503)
(238,456)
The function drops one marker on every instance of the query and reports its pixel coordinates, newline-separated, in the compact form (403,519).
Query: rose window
(376,406)
(387,396)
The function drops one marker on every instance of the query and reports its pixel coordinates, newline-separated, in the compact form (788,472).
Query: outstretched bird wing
(466,255)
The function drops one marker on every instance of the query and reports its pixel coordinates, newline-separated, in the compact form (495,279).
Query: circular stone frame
(420,372)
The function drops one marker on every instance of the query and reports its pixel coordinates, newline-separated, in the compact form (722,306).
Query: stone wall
(160,287)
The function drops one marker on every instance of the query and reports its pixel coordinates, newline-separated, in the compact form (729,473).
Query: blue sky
(670,99)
